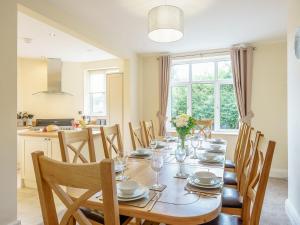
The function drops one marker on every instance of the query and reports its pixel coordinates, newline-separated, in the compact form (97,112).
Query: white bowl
(204,177)
(215,147)
(128,187)
(142,151)
(209,156)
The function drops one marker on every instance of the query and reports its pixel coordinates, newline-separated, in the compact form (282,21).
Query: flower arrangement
(183,124)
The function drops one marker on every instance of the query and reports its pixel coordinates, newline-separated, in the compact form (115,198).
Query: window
(96,93)
(204,89)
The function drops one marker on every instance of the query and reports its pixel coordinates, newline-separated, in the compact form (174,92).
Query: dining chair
(230,164)
(75,142)
(149,133)
(111,141)
(203,124)
(137,137)
(52,176)
(255,192)
(231,178)
(232,198)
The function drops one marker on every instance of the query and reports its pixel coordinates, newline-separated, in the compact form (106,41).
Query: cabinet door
(115,98)
(55,149)
(32,144)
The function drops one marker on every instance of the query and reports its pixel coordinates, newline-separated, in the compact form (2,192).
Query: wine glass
(157,162)
(122,160)
(195,144)
(153,144)
(180,155)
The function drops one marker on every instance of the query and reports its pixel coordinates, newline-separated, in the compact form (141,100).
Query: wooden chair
(229,164)
(204,124)
(112,140)
(232,198)
(149,133)
(51,175)
(137,137)
(75,142)
(255,192)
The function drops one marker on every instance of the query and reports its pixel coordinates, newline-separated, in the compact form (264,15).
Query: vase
(183,145)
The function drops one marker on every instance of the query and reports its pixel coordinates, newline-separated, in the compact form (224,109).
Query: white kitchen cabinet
(29,145)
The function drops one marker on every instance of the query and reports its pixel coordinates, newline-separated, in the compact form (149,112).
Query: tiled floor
(273,212)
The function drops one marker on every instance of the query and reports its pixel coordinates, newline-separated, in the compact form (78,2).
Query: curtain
(164,78)
(242,60)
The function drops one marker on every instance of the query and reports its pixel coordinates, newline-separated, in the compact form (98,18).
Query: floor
(273,212)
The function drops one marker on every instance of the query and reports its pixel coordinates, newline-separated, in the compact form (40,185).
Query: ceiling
(121,25)
(208,23)
(39,40)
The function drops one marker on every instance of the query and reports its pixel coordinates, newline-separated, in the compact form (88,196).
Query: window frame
(217,87)
(88,94)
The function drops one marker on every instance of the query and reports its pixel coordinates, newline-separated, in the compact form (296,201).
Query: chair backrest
(75,142)
(205,124)
(252,144)
(258,179)
(51,175)
(111,140)
(148,132)
(137,137)
(238,142)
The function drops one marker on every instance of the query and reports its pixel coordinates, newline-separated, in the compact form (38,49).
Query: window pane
(97,82)
(203,101)
(178,100)
(203,71)
(228,113)
(224,70)
(98,103)
(180,73)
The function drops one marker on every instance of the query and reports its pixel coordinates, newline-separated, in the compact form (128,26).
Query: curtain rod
(209,52)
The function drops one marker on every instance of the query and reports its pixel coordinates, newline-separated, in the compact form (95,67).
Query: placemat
(158,189)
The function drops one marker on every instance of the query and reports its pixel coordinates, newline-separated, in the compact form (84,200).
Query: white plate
(218,185)
(146,193)
(140,191)
(216,151)
(217,141)
(146,152)
(198,181)
(219,160)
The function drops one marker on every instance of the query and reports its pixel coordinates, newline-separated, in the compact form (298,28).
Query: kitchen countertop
(53,134)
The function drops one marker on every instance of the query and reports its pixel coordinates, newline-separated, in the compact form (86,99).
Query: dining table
(175,204)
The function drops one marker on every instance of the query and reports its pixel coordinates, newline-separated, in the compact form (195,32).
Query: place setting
(204,183)
(209,158)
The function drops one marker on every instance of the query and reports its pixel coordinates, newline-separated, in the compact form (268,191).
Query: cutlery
(203,193)
(154,200)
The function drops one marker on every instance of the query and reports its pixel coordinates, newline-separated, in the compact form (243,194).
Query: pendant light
(165,23)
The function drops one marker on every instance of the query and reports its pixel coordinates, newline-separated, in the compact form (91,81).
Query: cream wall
(293,202)
(8,102)
(269,98)
(32,77)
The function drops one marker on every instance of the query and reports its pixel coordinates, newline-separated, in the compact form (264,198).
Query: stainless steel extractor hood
(53,78)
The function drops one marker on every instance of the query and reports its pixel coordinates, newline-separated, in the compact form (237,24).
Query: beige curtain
(164,78)
(242,60)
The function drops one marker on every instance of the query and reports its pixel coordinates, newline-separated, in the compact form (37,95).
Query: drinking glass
(122,160)
(195,144)
(153,144)
(157,162)
(180,155)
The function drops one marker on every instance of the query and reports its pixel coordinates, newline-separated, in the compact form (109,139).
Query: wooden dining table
(173,205)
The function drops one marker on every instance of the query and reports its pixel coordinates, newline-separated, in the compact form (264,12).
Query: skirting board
(17,222)
(278,173)
(292,213)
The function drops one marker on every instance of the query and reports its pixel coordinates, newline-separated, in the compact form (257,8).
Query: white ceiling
(122,24)
(61,45)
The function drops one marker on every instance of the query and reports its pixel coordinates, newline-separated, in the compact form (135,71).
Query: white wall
(293,202)
(8,102)
(269,98)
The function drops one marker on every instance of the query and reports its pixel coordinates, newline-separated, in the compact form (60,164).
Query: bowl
(142,151)
(204,177)
(209,156)
(128,187)
(215,147)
